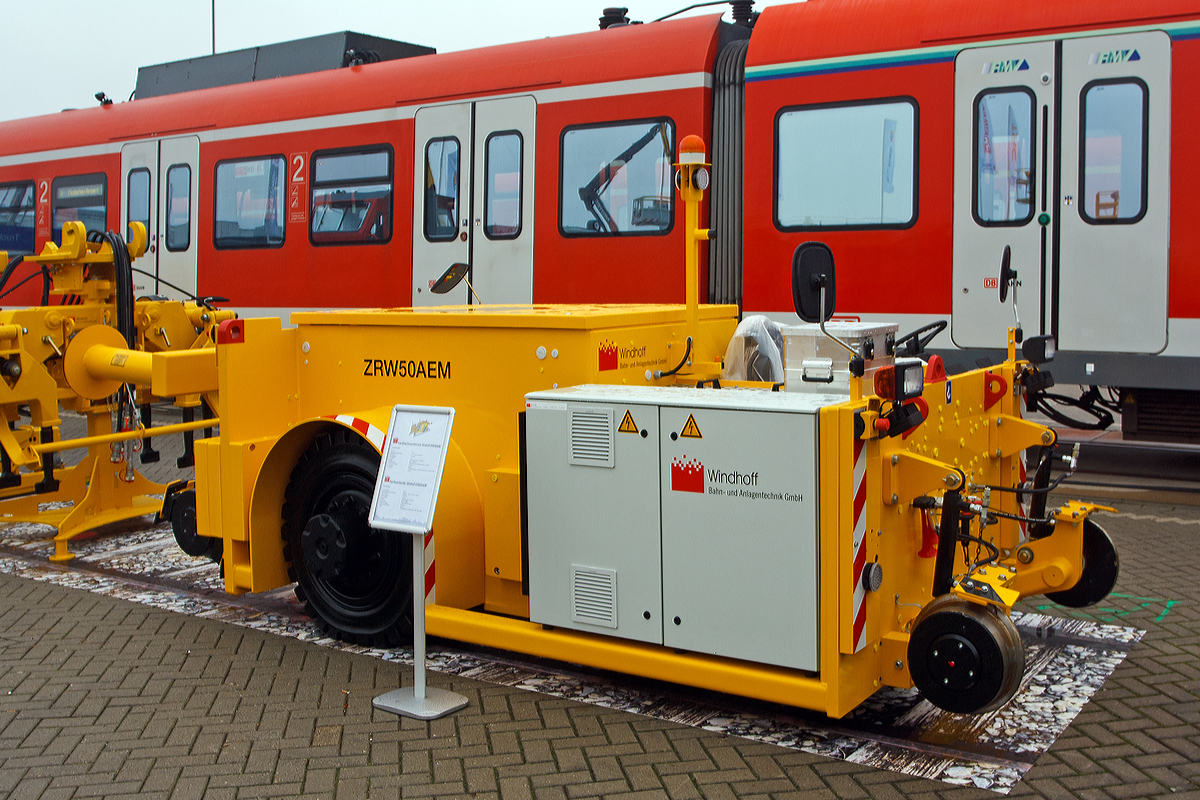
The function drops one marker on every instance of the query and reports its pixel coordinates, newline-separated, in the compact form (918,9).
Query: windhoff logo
(1114,57)
(690,475)
(1011,65)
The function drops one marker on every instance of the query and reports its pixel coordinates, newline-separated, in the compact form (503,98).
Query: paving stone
(112,698)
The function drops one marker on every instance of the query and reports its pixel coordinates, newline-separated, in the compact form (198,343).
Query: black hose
(1089,403)
(124,285)
(20,283)
(687,354)
(168,285)
(8,270)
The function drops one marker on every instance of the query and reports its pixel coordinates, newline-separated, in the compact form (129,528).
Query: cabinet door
(594,541)
(739,530)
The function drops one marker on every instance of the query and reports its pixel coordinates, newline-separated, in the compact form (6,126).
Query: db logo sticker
(991,283)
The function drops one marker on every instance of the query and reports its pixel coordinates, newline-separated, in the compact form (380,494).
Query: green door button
(1043,219)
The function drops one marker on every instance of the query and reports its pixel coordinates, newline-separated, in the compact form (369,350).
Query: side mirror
(1038,349)
(1007,273)
(812,269)
(450,278)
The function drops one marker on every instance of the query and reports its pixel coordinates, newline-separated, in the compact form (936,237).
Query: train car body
(920,139)
(917,139)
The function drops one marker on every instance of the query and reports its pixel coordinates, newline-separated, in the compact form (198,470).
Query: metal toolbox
(814,363)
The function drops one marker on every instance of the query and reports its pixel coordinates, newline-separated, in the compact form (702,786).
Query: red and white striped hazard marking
(859,606)
(430,584)
(372,434)
(376,438)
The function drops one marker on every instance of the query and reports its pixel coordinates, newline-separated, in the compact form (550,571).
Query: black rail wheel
(965,658)
(355,580)
(1101,566)
(183,525)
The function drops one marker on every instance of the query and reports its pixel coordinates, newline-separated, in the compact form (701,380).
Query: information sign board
(414,454)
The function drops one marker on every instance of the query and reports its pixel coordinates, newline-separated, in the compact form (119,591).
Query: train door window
(441,189)
(1004,145)
(617,178)
(16,218)
(78,198)
(351,196)
(179,207)
(137,200)
(847,165)
(249,203)
(502,186)
(1113,151)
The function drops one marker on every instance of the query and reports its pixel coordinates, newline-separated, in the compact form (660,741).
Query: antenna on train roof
(742,11)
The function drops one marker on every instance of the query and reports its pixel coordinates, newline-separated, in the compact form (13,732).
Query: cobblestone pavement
(103,697)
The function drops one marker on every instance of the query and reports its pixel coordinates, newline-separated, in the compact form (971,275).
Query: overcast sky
(57,54)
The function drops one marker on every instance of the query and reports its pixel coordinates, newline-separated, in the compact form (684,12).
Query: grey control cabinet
(700,535)
(594,544)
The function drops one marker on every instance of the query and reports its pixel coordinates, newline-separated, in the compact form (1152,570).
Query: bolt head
(1025,555)
(900,664)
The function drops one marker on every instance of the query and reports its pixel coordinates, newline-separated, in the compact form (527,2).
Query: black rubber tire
(965,658)
(355,580)
(1101,567)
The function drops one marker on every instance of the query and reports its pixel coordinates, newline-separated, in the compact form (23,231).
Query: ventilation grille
(594,596)
(1169,415)
(591,437)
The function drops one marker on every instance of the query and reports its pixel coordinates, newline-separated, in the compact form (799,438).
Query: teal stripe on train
(1178,31)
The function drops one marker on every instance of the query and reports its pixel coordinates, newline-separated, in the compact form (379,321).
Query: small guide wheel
(964,657)
(1101,566)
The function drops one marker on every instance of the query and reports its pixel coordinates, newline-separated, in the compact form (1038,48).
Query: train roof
(832,29)
(621,53)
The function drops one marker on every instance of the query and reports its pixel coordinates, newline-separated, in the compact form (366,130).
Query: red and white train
(917,138)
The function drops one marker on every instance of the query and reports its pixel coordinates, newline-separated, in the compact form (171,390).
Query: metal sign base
(436,703)
(419,701)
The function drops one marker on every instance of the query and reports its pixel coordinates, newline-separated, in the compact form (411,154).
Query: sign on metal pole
(405,499)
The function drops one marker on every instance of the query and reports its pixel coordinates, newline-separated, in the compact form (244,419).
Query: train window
(250,202)
(502,187)
(441,189)
(1113,151)
(78,198)
(617,178)
(137,200)
(351,196)
(849,165)
(16,218)
(1003,157)
(179,207)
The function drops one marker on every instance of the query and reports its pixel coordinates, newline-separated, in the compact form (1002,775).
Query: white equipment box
(815,363)
(683,517)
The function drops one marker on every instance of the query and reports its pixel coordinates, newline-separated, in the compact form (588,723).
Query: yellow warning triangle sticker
(627,424)
(690,429)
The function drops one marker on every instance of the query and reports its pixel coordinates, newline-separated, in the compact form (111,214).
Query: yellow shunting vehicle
(611,498)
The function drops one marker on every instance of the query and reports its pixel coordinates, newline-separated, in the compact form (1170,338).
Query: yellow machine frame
(279,391)
(44,349)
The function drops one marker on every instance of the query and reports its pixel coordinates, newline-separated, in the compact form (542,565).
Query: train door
(1062,153)
(179,163)
(473,200)
(139,203)
(1003,135)
(502,226)
(1114,212)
